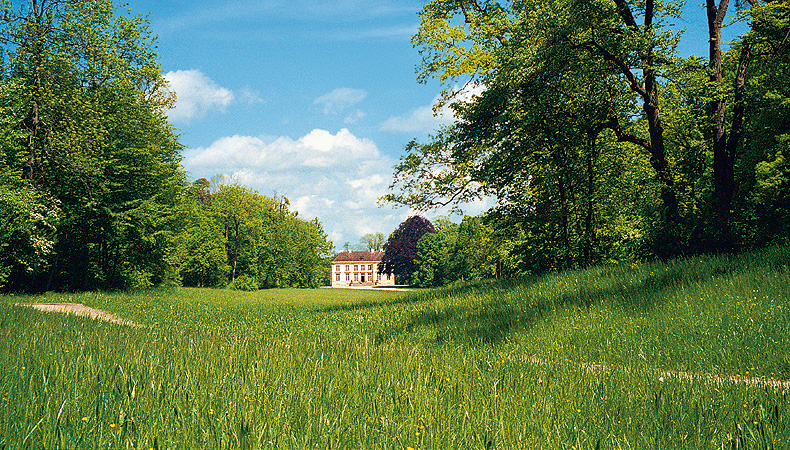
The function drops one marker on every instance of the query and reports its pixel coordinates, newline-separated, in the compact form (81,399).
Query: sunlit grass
(571,360)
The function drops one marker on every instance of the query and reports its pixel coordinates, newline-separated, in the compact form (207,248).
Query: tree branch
(614,125)
(626,15)
(480,10)
(594,47)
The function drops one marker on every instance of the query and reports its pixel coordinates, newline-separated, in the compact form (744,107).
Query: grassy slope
(437,369)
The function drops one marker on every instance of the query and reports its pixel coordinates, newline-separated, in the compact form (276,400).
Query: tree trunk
(564,223)
(235,250)
(724,148)
(658,154)
(35,27)
(723,181)
(589,221)
(650,104)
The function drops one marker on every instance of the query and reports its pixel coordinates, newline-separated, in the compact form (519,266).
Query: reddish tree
(401,248)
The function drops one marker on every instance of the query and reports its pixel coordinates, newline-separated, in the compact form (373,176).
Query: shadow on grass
(409,298)
(455,317)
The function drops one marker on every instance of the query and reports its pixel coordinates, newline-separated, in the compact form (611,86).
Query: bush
(244,283)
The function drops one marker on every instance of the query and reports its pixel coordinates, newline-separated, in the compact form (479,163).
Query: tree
(400,250)
(239,209)
(432,263)
(28,226)
(96,139)
(602,35)
(588,129)
(235,233)
(372,242)
(202,255)
(762,168)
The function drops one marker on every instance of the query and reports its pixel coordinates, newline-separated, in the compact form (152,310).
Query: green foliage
(598,143)
(372,242)
(88,129)
(430,262)
(203,260)
(28,229)
(244,283)
(770,198)
(235,232)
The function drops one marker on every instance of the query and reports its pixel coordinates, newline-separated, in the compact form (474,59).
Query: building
(359,269)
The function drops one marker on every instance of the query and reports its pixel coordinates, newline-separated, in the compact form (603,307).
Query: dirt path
(79,309)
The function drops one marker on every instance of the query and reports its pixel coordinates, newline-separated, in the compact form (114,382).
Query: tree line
(92,191)
(422,253)
(595,138)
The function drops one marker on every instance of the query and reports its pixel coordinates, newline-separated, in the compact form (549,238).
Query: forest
(92,191)
(597,140)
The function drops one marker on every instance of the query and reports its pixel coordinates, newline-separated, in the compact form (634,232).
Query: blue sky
(314,100)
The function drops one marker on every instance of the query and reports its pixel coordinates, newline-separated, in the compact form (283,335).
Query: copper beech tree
(400,250)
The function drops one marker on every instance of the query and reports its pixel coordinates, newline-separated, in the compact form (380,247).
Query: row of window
(362,277)
(356,267)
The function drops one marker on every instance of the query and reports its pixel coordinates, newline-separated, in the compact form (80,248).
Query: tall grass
(571,360)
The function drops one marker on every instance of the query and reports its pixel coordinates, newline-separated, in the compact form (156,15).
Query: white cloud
(317,149)
(354,117)
(196,95)
(340,99)
(250,96)
(428,118)
(337,177)
(422,119)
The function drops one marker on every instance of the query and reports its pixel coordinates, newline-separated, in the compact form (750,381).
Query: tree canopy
(92,191)
(400,250)
(596,140)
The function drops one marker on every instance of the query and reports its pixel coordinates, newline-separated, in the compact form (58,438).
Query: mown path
(79,309)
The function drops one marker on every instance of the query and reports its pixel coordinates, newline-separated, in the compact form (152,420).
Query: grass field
(611,357)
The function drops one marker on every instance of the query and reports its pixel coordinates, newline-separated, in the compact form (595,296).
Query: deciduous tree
(400,250)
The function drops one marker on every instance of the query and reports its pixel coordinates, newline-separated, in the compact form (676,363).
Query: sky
(311,100)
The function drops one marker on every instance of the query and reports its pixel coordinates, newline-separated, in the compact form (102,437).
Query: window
(356,267)
(356,277)
(337,277)
(378,276)
(337,268)
(347,267)
(370,266)
(348,276)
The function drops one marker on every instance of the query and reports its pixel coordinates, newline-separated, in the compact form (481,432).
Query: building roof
(358,256)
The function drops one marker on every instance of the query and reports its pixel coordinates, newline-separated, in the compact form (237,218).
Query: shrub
(244,283)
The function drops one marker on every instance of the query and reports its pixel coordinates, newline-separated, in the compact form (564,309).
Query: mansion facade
(359,269)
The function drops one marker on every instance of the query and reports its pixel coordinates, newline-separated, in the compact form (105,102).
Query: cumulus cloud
(196,95)
(337,177)
(340,100)
(316,150)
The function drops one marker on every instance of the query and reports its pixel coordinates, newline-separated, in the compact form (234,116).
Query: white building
(359,269)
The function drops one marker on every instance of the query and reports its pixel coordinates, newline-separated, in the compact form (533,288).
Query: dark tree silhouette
(401,248)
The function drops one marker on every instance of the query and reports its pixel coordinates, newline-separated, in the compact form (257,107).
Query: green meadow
(690,353)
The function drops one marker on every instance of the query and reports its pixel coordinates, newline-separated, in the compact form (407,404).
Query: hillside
(693,353)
